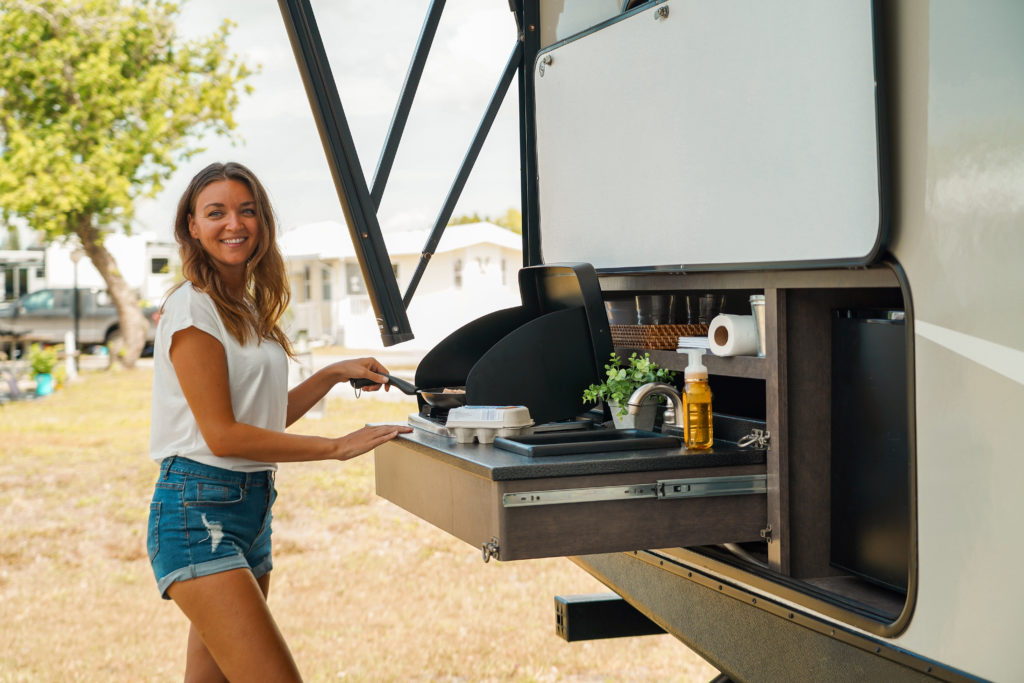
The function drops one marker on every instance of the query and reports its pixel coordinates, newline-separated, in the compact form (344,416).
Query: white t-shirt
(257,376)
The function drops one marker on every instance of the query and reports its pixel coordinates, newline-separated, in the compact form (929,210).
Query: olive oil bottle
(697,402)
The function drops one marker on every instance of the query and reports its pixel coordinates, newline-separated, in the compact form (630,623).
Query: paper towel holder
(757,310)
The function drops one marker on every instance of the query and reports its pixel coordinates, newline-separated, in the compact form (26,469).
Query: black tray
(593,441)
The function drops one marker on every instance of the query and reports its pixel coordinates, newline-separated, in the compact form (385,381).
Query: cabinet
(796,380)
(514,507)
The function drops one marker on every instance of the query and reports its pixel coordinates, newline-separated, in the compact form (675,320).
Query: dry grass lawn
(362,590)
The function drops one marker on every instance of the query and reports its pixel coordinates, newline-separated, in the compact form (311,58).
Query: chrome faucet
(663,389)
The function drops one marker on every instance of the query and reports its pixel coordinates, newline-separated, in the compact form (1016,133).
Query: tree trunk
(133,323)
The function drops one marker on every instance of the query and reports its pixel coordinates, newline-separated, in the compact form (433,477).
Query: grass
(362,590)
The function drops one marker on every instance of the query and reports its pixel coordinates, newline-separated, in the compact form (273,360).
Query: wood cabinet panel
(470,507)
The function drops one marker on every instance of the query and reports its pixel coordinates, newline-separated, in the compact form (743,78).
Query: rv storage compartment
(833,394)
(870,472)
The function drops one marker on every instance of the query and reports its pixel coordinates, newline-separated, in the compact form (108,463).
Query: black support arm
(357,205)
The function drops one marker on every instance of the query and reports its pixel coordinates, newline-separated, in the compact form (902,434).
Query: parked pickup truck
(47,314)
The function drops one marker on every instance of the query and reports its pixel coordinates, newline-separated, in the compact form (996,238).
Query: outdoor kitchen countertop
(496,464)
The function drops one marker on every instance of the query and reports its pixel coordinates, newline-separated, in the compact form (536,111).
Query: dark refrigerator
(870,464)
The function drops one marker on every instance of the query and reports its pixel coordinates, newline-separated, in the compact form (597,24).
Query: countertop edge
(489,462)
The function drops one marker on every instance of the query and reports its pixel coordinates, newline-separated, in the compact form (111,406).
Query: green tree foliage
(511,220)
(466,219)
(99,102)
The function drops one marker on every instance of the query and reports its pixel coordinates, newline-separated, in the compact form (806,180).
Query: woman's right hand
(366,439)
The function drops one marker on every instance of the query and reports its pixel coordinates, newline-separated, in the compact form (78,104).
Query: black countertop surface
(496,464)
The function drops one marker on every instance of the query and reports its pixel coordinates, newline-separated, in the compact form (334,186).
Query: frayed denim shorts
(204,520)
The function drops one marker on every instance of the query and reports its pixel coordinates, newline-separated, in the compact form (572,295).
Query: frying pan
(440,398)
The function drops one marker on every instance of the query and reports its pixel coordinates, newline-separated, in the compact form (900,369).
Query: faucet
(663,389)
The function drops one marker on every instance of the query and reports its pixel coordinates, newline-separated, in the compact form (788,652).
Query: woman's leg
(232,624)
(199,664)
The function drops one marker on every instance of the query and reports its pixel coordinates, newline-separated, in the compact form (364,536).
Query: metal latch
(544,61)
(757,438)
(490,549)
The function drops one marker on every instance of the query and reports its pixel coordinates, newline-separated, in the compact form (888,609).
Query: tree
(466,219)
(99,102)
(512,220)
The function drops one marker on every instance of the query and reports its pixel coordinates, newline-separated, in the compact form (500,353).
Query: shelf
(751,367)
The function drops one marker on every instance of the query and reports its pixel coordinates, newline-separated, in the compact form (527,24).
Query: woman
(220,407)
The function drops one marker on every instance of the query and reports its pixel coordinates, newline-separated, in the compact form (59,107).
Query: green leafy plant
(622,380)
(42,359)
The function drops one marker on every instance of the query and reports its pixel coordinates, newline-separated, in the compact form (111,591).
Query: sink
(591,441)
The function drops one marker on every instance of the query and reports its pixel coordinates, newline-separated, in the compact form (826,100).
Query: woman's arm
(305,395)
(201,367)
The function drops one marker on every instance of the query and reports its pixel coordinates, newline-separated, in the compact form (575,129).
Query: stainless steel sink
(590,441)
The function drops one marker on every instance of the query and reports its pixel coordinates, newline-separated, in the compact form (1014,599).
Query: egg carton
(483,435)
(483,423)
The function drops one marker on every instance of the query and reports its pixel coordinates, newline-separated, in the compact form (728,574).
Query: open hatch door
(738,135)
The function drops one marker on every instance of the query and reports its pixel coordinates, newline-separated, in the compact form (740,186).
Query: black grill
(541,354)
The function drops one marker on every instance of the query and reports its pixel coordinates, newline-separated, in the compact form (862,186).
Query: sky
(369,46)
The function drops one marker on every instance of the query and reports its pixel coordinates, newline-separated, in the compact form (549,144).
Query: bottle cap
(696,369)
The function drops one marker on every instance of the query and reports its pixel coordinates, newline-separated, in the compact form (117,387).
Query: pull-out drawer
(514,507)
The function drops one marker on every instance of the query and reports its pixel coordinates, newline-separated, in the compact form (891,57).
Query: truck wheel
(115,344)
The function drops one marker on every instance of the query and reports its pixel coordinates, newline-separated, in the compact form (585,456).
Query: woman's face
(224,221)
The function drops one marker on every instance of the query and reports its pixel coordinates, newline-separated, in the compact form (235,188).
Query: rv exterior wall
(952,100)
(959,234)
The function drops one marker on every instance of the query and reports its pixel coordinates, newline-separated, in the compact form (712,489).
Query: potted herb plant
(623,377)
(42,360)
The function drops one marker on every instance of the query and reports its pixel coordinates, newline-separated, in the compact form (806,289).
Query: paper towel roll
(733,335)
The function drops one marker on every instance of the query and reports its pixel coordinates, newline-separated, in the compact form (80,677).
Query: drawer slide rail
(665,489)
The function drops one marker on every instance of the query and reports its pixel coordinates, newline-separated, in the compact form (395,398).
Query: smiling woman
(220,407)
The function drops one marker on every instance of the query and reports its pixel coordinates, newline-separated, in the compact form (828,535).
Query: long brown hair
(266,294)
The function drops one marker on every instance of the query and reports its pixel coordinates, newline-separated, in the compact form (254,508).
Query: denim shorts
(204,520)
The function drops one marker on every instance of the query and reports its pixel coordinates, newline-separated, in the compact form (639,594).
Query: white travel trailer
(858,164)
